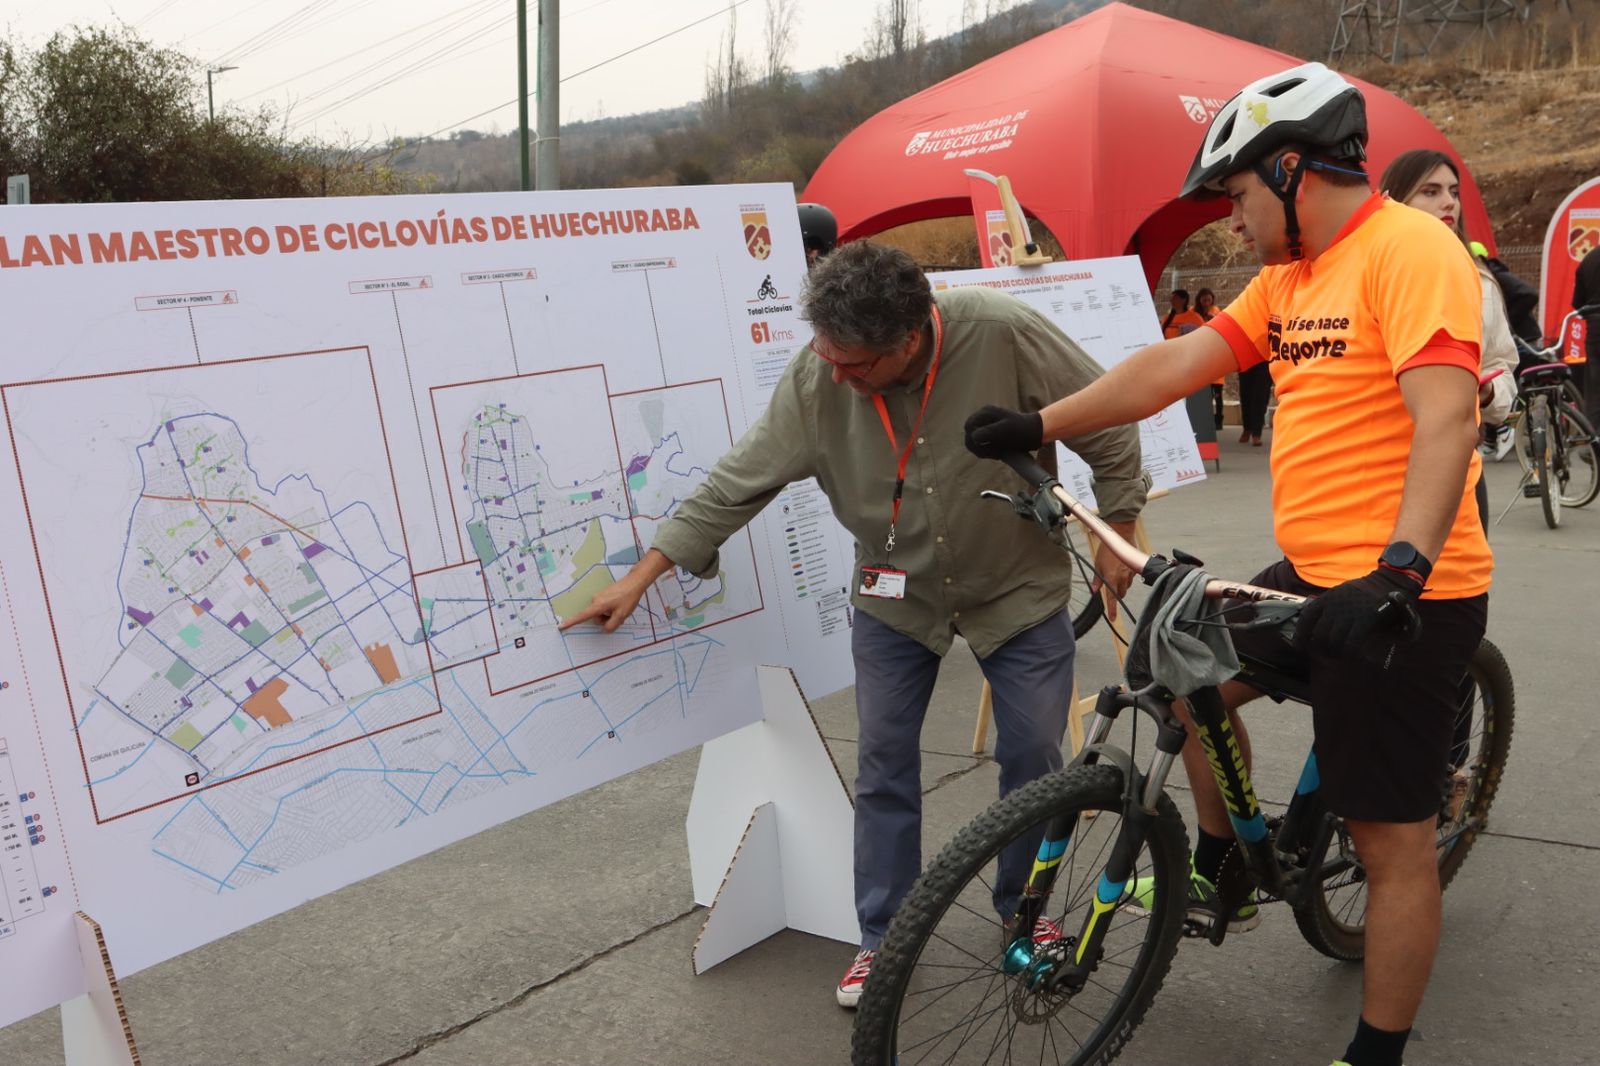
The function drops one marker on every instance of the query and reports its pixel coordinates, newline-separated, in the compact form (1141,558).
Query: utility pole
(211,105)
(548,162)
(522,90)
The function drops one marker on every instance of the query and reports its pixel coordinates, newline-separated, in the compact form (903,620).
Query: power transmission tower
(1396,30)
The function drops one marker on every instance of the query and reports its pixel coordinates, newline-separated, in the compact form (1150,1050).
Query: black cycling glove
(1363,616)
(994,432)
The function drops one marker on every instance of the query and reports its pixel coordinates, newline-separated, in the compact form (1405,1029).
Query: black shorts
(1383,737)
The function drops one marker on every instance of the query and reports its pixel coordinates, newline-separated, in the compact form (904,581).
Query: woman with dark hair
(1180,316)
(1430,181)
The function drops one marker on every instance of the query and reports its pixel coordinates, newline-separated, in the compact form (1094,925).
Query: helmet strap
(1273,179)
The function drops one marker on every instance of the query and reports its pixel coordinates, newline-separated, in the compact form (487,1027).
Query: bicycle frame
(1275,864)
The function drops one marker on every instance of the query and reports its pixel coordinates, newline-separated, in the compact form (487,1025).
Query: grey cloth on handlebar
(1181,653)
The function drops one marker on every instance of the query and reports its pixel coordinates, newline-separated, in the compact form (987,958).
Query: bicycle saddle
(1544,374)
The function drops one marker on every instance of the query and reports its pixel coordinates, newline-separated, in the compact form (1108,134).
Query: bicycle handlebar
(1148,567)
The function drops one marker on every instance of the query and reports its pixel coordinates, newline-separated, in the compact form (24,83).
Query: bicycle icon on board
(768,290)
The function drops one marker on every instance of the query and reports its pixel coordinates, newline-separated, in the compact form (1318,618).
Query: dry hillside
(1528,137)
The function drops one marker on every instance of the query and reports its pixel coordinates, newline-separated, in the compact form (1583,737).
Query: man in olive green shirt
(932,559)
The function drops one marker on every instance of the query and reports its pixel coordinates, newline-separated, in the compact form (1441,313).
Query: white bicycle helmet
(1307,107)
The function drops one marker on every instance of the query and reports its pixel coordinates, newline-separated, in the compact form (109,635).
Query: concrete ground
(564,937)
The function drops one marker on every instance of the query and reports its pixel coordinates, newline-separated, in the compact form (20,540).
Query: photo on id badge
(884,582)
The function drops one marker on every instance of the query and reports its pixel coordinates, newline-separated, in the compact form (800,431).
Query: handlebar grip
(1028,468)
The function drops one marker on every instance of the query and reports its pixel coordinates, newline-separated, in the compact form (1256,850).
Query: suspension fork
(1059,831)
(1226,758)
(1141,795)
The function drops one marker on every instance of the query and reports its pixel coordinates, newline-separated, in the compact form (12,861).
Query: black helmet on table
(1310,108)
(819,231)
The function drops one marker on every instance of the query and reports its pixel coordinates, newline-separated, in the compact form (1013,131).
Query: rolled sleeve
(777,449)
(1121,499)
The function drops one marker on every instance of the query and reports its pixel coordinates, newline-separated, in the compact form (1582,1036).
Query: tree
(102,115)
(779,40)
(897,28)
(726,75)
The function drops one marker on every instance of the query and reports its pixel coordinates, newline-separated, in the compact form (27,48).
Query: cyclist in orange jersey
(1368,314)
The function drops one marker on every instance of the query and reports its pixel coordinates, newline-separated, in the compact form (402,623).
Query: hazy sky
(368,69)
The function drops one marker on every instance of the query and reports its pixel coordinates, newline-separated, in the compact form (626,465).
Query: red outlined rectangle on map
(8,393)
(657,637)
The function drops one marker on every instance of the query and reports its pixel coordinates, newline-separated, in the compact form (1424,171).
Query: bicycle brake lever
(1042,507)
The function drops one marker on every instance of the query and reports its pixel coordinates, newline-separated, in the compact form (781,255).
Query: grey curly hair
(866,295)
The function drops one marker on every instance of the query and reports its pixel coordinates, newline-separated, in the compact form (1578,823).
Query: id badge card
(884,582)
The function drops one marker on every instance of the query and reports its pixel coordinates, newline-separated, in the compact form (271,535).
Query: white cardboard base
(801,868)
(749,906)
(94,1027)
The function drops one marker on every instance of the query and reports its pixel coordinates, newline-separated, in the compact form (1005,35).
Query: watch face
(1404,556)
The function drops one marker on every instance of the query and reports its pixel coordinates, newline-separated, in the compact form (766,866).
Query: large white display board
(295,495)
(1104,305)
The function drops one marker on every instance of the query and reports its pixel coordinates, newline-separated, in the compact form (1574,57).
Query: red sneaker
(855,978)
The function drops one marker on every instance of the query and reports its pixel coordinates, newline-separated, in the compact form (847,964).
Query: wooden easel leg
(980,735)
(1080,708)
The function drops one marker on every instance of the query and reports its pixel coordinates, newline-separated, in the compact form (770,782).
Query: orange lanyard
(883,414)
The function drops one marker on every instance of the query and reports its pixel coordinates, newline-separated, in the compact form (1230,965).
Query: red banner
(1574,232)
(989,215)
(1572,348)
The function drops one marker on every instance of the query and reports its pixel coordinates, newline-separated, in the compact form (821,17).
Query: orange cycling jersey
(1180,319)
(1395,290)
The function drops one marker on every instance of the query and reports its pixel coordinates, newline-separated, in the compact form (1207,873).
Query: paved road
(564,937)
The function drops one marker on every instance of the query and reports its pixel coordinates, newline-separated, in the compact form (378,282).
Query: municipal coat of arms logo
(757,234)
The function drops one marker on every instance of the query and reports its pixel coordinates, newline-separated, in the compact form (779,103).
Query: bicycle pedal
(1530,492)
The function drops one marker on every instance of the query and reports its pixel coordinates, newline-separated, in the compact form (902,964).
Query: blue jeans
(1031,679)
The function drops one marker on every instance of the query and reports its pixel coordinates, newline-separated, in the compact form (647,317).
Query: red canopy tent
(1096,123)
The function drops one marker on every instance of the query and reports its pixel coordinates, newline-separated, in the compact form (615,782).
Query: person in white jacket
(1430,181)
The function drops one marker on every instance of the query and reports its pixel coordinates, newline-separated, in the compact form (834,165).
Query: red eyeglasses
(860,371)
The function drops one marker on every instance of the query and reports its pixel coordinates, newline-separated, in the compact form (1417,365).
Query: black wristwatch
(1404,557)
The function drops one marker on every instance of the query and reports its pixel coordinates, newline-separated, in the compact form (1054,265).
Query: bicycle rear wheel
(1334,920)
(1544,440)
(1579,468)
(939,990)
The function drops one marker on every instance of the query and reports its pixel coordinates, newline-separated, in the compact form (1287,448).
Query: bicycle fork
(1051,969)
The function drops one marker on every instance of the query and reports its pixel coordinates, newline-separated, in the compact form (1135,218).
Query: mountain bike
(961,979)
(1555,444)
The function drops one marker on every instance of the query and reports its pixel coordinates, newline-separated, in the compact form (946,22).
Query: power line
(158,9)
(367,48)
(498,107)
(272,33)
(430,41)
(426,62)
(224,20)
(647,44)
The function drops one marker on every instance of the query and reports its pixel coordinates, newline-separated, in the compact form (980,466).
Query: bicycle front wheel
(940,990)
(1086,608)
(1334,920)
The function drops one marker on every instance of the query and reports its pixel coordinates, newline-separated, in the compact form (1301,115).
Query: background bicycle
(1554,442)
